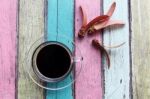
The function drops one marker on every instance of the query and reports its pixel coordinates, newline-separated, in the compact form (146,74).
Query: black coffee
(53,61)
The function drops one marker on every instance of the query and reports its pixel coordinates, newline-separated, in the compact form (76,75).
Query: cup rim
(34,64)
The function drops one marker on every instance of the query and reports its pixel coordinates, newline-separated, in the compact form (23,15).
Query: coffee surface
(53,61)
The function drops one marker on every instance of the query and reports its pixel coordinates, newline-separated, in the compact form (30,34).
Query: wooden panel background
(117,78)
(60,23)
(8,34)
(88,84)
(31,28)
(63,17)
(140,12)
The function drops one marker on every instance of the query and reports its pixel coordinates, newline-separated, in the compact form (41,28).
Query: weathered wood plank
(140,12)
(117,78)
(8,33)
(88,84)
(61,22)
(31,27)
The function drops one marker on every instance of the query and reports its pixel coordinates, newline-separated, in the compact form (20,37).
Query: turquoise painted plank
(61,23)
(52,19)
(117,78)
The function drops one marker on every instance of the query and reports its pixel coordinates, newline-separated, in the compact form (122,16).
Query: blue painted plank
(52,19)
(61,23)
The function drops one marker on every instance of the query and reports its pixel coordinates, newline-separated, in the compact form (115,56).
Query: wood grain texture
(8,34)
(117,78)
(60,23)
(88,84)
(140,12)
(31,28)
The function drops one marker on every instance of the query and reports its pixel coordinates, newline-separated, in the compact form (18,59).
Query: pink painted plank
(8,10)
(88,84)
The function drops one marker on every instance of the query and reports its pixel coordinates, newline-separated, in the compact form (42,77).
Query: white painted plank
(31,28)
(140,26)
(117,78)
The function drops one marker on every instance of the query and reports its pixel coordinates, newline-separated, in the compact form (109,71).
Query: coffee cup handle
(77,59)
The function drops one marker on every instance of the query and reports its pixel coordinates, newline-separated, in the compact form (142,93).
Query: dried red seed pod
(91,30)
(96,44)
(84,17)
(111,9)
(81,33)
(98,19)
(88,27)
(98,27)
(85,27)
